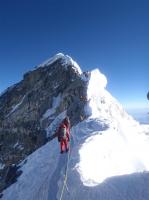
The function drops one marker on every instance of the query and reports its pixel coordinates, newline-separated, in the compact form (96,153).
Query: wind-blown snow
(108,156)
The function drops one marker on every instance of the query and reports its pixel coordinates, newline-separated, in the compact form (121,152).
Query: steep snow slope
(108,158)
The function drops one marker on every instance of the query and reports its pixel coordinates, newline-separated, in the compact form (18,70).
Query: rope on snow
(65,177)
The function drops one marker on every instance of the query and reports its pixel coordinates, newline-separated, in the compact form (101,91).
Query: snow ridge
(109,155)
(116,147)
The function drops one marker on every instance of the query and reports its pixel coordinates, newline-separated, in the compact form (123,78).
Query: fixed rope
(65,177)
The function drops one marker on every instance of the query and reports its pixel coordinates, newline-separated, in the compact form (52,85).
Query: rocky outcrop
(23,121)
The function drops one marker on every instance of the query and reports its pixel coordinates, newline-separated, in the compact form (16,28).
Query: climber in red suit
(63,134)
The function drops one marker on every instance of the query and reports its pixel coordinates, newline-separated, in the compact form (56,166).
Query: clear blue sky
(112,35)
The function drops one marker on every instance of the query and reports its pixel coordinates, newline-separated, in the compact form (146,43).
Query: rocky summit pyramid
(56,86)
(108,157)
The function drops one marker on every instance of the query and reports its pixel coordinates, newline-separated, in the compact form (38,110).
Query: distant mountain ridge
(140,114)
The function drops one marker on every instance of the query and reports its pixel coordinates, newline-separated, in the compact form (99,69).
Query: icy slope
(108,157)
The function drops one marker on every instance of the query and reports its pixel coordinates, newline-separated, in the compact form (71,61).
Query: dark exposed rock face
(22,127)
(148,95)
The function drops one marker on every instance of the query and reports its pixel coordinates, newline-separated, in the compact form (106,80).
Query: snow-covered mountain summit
(28,107)
(108,159)
(65,61)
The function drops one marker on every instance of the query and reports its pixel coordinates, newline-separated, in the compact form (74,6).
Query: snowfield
(108,158)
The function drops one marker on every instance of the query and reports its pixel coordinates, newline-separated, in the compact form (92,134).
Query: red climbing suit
(64,142)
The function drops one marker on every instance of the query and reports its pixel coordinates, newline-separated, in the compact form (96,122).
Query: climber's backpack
(62,132)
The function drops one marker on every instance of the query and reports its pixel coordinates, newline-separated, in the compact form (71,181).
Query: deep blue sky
(112,35)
